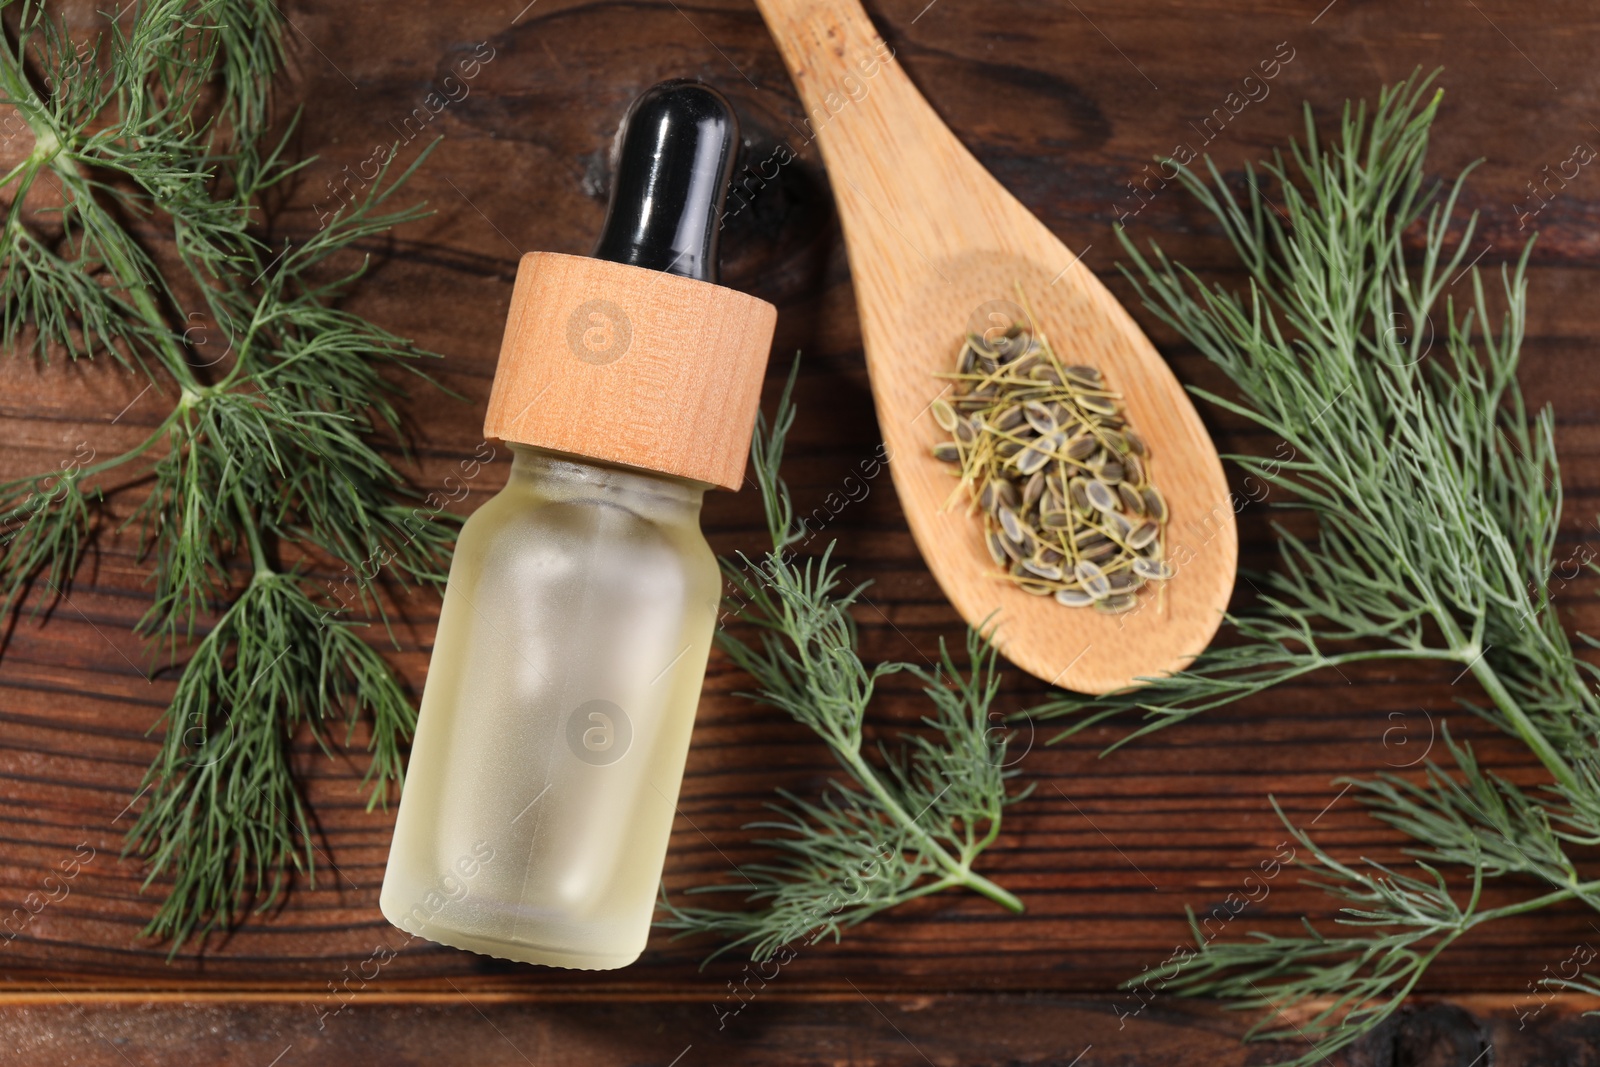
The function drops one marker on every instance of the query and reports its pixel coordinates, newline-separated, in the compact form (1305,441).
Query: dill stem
(1496,689)
(961,872)
(1267,680)
(983,887)
(26,163)
(1524,726)
(247,520)
(949,881)
(1579,890)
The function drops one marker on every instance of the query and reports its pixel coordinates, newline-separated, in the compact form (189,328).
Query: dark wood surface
(1065,102)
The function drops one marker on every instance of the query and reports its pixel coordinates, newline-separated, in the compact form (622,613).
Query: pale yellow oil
(556,716)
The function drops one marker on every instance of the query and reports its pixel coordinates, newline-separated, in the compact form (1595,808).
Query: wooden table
(1065,102)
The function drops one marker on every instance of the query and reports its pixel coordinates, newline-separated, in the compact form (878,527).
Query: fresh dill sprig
(275,662)
(272,456)
(912,823)
(1437,497)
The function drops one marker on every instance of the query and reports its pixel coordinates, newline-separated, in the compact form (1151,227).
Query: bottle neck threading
(562,476)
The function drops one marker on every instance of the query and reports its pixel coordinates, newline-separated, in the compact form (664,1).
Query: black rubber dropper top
(673,166)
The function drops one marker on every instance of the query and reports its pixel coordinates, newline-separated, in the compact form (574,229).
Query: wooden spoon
(933,238)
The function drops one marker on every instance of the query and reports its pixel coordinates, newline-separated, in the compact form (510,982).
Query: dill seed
(1101,552)
(1062,484)
(1039,417)
(1155,505)
(1081,447)
(1043,570)
(1117,603)
(1034,490)
(1030,459)
(1122,582)
(1143,535)
(1092,579)
(1154,570)
(1010,523)
(997,550)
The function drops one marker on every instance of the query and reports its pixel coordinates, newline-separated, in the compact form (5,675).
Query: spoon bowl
(937,246)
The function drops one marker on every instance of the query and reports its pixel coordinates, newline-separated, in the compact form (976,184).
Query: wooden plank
(890,1030)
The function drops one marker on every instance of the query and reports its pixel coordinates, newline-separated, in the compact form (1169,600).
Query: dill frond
(270,456)
(910,823)
(1436,495)
(224,817)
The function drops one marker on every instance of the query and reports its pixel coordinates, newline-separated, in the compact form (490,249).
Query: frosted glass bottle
(578,616)
(556,720)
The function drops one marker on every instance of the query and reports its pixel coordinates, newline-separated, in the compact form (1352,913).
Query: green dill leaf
(273,459)
(911,823)
(1436,496)
(224,816)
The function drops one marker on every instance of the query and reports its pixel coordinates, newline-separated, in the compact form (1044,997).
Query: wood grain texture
(933,242)
(1062,105)
(891,1030)
(632,366)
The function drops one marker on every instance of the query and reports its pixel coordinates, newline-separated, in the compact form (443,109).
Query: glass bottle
(582,599)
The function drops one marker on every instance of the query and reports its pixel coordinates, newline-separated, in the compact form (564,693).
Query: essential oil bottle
(580,607)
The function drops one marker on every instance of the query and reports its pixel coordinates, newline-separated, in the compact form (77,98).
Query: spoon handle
(891,160)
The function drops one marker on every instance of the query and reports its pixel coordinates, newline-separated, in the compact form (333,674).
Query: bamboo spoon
(932,238)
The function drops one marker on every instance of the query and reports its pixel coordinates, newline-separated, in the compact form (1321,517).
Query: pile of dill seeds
(1047,458)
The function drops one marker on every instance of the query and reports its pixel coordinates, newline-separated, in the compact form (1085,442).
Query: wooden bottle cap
(631,366)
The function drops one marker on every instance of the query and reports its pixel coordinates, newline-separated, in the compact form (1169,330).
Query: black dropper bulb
(673,166)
